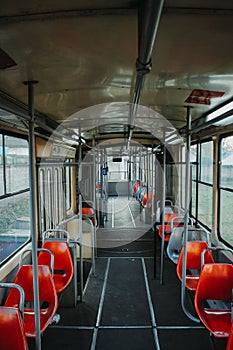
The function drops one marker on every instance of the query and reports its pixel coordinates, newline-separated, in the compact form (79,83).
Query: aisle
(125,230)
(126,308)
(124,212)
(125,317)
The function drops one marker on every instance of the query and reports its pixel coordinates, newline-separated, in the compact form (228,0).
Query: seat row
(210,280)
(142,193)
(55,271)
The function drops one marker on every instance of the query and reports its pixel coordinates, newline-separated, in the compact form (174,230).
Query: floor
(125,305)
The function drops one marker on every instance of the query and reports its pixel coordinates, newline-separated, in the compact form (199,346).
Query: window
(42,199)
(54,194)
(205,195)
(226,189)
(206,162)
(68,187)
(193,174)
(202,182)
(14,194)
(2,168)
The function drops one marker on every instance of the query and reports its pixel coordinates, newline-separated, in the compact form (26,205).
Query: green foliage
(12,212)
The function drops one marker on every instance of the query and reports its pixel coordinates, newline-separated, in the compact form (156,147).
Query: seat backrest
(193,262)
(215,283)
(176,240)
(147,199)
(47,296)
(12,336)
(168,210)
(135,187)
(230,339)
(63,264)
(175,243)
(176,220)
(168,217)
(88,211)
(213,298)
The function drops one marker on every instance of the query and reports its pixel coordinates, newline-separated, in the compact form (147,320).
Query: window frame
(221,188)
(7,195)
(197,180)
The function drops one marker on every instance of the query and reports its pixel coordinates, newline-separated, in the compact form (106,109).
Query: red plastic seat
(12,336)
(47,297)
(89,212)
(193,262)
(135,187)
(230,339)
(63,264)
(147,200)
(167,226)
(215,283)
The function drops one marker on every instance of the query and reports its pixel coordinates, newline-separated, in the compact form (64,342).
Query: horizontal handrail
(38,250)
(214,249)
(70,218)
(59,231)
(21,295)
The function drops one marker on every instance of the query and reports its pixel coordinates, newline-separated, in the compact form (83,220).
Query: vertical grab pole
(80,224)
(94,204)
(163,210)
(187,202)
(148,172)
(214,236)
(102,191)
(153,216)
(33,209)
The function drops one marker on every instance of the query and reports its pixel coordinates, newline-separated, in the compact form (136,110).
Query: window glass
(17,160)
(226,188)
(205,198)
(183,177)
(42,200)
(49,194)
(225,222)
(193,162)
(56,195)
(193,208)
(14,223)
(1,167)
(67,187)
(226,164)
(206,170)
(193,159)
(182,169)
(15,207)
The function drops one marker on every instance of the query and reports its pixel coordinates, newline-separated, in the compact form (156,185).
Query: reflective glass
(206,154)
(1,167)
(205,199)
(16,160)
(225,223)
(14,223)
(226,164)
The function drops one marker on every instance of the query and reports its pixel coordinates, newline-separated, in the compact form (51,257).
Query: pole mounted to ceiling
(149,13)
(186,219)
(33,208)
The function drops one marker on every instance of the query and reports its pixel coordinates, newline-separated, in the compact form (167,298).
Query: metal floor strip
(153,320)
(95,333)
